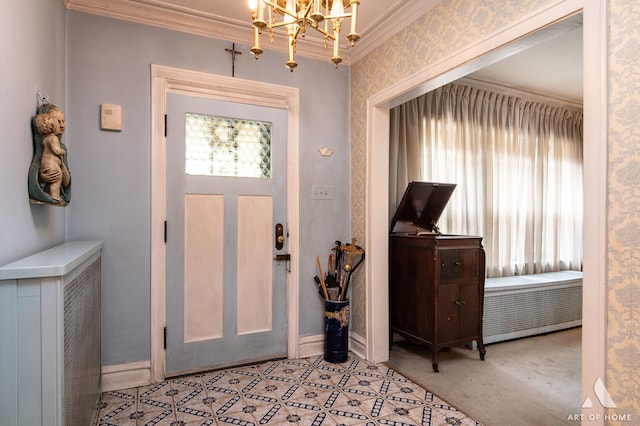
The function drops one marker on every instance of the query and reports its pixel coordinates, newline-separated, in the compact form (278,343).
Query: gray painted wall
(32,47)
(109,62)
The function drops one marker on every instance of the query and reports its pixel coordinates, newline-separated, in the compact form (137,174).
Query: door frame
(457,65)
(166,80)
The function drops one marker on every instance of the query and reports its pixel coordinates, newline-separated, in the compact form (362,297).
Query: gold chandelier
(296,16)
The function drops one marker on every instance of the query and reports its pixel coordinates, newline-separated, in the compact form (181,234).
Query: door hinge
(165,232)
(165,125)
(165,337)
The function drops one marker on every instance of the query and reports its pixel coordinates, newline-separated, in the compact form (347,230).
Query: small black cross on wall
(233,53)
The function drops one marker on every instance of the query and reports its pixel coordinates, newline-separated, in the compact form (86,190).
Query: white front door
(226,295)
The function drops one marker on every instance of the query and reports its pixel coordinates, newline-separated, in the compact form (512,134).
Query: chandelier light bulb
(291,7)
(337,10)
(257,13)
(353,35)
(316,14)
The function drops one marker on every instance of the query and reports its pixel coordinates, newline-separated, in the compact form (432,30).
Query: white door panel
(226,296)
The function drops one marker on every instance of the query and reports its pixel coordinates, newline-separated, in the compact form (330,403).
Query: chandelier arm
(279,8)
(320,30)
(325,33)
(306,13)
(280,24)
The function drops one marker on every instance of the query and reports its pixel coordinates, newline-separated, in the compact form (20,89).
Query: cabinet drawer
(458,263)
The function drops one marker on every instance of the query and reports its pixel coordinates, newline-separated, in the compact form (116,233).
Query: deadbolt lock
(279,236)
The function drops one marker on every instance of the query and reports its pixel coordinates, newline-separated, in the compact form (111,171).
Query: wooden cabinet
(436,282)
(436,290)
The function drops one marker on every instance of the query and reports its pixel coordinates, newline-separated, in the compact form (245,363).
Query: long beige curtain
(518,169)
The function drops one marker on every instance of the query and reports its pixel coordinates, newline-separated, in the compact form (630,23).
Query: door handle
(279,236)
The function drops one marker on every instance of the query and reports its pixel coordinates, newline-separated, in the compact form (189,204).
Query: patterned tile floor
(307,391)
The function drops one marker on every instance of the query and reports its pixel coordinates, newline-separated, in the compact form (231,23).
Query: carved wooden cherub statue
(49,177)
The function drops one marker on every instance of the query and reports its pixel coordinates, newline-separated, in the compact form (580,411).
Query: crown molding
(165,15)
(178,18)
(396,18)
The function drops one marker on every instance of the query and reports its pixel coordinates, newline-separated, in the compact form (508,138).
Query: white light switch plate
(322,192)
(111,117)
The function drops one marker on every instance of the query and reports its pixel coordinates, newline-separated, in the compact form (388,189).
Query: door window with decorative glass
(222,146)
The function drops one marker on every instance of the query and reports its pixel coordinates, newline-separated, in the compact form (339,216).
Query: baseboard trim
(134,374)
(314,345)
(311,346)
(358,345)
(125,376)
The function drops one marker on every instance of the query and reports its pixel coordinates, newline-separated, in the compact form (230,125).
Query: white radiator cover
(82,345)
(527,305)
(50,336)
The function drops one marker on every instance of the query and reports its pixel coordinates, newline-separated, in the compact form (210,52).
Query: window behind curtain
(518,169)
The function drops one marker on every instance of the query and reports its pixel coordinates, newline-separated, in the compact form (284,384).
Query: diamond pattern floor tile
(300,392)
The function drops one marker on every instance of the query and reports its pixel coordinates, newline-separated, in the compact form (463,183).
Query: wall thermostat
(111,117)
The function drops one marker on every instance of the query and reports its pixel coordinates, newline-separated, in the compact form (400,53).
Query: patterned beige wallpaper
(623,269)
(448,27)
(454,24)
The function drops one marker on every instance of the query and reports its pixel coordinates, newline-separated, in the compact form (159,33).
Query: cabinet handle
(457,263)
(460,302)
